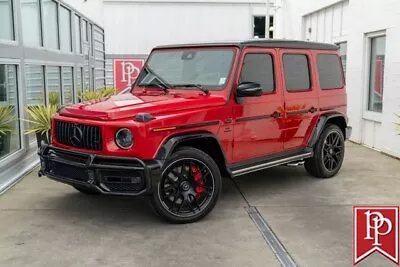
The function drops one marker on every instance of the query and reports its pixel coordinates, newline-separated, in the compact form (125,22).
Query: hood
(128,105)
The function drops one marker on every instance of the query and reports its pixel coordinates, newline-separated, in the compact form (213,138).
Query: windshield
(203,67)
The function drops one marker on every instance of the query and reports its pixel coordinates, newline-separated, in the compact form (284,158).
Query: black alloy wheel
(328,153)
(332,151)
(189,187)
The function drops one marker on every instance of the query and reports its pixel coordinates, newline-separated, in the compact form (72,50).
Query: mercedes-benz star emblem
(77,135)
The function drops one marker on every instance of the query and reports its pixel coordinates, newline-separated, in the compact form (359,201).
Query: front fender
(172,142)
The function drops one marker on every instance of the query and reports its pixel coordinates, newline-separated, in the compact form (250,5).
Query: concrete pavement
(44,223)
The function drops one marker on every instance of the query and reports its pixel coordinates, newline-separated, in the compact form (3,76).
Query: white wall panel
(337,20)
(321,26)
(328,25)
(152,24)
(314,25)
(346,18)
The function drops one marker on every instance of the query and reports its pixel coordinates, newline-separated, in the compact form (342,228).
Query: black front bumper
(108,175)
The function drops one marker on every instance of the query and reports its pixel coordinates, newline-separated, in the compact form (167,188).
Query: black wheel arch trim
(323,119)
(173,141)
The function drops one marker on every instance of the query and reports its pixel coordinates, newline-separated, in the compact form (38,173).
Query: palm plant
(40,121)
(54,98)
(6,118)
(97,94)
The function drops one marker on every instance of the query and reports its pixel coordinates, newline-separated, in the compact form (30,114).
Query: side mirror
(248,89)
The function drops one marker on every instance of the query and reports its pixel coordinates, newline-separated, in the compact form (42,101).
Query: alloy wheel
(332,151)
(186,187)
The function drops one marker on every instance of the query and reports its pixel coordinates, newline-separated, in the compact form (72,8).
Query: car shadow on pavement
(277,179)
(125,210)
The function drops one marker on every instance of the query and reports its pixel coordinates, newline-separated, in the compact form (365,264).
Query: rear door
(258,124)
(301,96)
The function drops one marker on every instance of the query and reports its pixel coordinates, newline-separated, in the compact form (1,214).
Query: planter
(42,137)
(5,144)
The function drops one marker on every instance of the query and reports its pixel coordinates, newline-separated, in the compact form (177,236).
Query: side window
(259,68)
(297,72)
(329,71)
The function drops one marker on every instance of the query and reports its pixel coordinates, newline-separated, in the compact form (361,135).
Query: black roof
(272,43)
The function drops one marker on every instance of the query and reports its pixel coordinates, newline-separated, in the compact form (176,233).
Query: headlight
(124,138)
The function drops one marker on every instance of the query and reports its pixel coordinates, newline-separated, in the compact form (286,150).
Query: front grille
(78,135)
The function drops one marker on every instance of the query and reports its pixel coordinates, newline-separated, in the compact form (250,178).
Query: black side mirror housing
(246,89)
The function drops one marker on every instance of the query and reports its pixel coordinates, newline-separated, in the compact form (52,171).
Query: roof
(272,43)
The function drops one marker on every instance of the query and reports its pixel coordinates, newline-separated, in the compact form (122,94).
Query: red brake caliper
(198,178)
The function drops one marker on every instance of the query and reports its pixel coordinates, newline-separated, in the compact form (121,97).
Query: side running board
(271,164)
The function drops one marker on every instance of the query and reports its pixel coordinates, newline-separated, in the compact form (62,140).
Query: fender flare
(323,119)
(173,141)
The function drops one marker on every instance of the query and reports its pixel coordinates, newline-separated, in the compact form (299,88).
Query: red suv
(201,112)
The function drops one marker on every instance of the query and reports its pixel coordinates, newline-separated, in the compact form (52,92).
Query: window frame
(40,25)
(341,71)
(310,70)
(273,67)
(78,19)
(43,34)
(60,7)
(15,155)
(14,25)
(369,114)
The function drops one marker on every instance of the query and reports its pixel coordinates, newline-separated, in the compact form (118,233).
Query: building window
(84,31)
(297,73)
(271,27)
(31,22)
(91,39)
(6,20)
(78,35)
(50,24)
(259,68)
(376,73)
(259,26)
(329,71)
(34,85)
(68,86)
(10,140)
(65,29)
(53,80)
(79,85)
(34,88)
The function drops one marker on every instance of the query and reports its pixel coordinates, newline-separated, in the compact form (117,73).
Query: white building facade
(134,27)
(368,33)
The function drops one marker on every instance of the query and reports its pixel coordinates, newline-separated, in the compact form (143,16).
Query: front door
(258,127)
(301,97)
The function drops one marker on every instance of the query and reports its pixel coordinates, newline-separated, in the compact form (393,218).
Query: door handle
(312,110)
(276,114)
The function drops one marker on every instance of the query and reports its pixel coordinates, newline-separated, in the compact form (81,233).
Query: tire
(189,187)
(328,158)
(86,190)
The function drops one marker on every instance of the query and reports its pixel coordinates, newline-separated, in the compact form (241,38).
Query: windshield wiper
(158,85)
(204,90)
(163,84)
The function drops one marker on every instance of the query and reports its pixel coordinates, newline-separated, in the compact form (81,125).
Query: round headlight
(124,138)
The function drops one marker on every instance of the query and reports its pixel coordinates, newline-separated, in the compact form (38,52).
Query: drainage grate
(272,240)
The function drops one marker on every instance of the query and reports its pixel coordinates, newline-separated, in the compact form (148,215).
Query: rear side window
(329,71)
(297,73)
(259,68)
